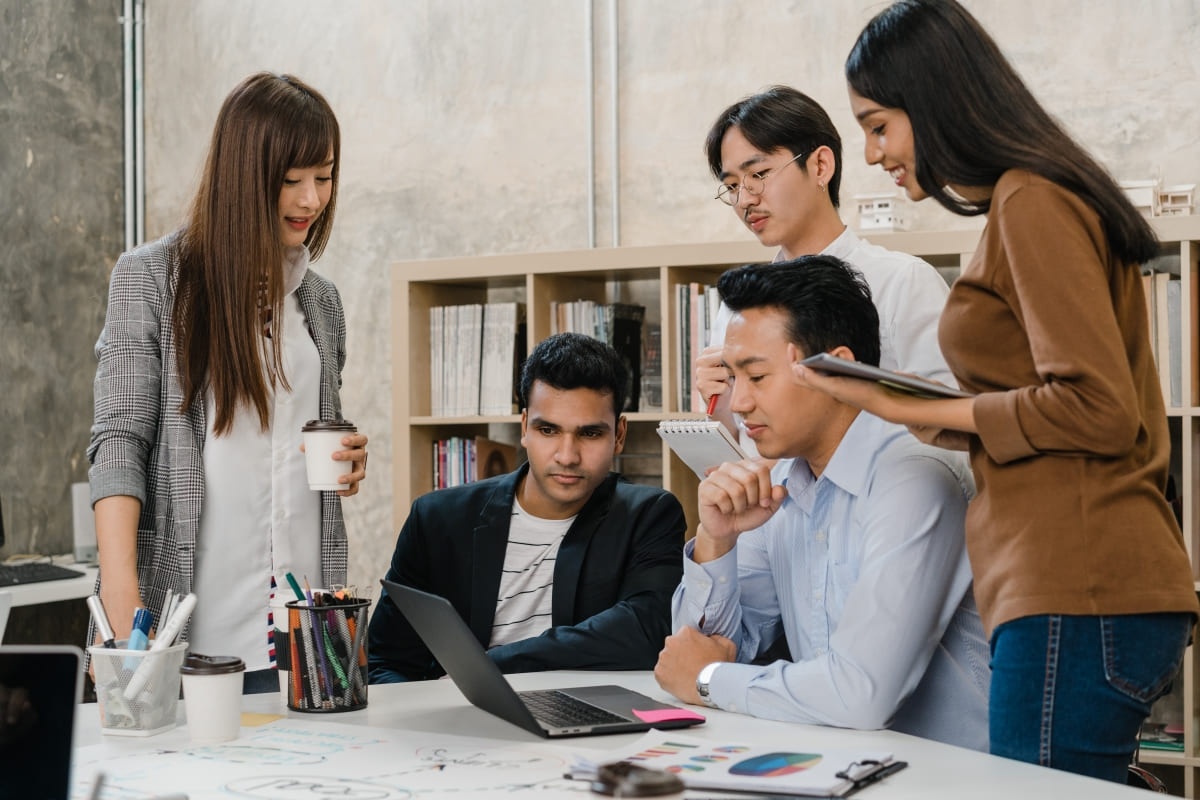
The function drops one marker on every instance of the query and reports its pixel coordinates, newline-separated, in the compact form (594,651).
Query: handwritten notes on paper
(301,760)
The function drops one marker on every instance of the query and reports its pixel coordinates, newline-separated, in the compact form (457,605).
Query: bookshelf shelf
(648,276)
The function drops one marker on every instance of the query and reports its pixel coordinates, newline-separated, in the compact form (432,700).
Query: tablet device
(909,384)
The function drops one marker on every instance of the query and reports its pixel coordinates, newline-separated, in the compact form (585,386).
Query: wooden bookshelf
(648,275)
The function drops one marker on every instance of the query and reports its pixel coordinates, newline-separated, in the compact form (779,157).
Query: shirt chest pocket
(844,562)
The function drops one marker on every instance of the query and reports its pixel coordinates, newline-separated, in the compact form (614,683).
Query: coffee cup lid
(196,664)
(328,425)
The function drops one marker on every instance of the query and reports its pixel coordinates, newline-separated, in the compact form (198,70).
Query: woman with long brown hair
(218,344)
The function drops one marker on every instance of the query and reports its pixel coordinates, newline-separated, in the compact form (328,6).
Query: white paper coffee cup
(212,696)
(323,438)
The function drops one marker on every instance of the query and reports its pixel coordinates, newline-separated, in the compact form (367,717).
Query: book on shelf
(1174,326)
(503,355)
(696,306)
(476,352)
(618,324)
(460,460)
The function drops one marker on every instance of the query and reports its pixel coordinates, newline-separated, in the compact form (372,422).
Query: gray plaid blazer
(143,447)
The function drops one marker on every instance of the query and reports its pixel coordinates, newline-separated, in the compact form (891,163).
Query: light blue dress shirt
(865,572)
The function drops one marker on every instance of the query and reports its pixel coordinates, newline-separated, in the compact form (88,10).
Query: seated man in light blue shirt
(851,545)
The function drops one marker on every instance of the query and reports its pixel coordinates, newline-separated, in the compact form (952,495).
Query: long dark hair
(973,118)
(231,262)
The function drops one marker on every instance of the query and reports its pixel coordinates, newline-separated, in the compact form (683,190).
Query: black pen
(107,638)
(875,775)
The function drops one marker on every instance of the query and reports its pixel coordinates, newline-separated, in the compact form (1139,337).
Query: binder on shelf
(701,443)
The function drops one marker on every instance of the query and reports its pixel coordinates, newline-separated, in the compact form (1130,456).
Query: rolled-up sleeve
(127,387)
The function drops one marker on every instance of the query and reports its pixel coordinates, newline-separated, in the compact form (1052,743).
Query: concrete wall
(465,127)
(61,229)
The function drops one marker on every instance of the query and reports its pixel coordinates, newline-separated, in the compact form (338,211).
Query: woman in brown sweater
(1080,570)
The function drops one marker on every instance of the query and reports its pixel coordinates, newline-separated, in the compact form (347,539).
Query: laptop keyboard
(560,710)
(36,572)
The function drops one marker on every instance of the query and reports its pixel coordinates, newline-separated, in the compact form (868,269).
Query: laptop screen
(40,686)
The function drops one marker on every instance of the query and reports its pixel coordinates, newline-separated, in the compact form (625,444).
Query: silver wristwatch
(702,681)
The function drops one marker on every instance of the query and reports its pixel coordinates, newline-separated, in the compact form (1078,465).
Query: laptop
(577,711)
(35,749)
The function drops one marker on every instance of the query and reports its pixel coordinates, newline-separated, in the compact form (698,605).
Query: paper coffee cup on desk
(323,438)
(212,697)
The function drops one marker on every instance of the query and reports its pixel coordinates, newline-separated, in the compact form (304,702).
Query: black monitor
(41,685)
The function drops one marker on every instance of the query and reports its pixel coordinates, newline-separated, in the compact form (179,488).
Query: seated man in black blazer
(559,565)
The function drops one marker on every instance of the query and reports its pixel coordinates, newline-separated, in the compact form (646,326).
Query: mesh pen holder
(137,706)
(326,656)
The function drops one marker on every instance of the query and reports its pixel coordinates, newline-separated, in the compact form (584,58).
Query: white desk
(31,594)
(430,713)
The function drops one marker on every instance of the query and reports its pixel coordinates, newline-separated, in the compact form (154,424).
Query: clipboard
(701,443)
(758,770)
(918,387)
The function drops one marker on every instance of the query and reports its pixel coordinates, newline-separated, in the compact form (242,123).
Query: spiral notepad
(701,443)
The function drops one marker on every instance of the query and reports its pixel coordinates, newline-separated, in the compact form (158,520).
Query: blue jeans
(1070,692)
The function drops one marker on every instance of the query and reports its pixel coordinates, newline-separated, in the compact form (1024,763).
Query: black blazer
(616,570)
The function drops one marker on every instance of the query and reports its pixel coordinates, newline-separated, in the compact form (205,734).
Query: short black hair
(828,302)
(574,361)
(779,117)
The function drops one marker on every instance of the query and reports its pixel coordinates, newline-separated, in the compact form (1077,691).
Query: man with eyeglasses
(778,157)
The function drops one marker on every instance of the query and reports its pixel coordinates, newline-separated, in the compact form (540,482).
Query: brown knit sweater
(1072,453)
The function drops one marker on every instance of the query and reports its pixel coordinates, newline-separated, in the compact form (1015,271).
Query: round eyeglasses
(754,183)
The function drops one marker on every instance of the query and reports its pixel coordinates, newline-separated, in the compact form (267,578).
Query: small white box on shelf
(1177,200)
(1144,194)
(882,211)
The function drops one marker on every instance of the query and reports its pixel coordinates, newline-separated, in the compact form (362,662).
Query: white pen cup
(212,697)
(323,438)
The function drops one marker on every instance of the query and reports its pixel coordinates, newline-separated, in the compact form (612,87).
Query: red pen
(712,404)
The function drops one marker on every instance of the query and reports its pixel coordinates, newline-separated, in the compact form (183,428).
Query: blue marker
(139,637)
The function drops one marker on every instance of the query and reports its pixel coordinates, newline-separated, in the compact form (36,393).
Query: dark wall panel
(61,230)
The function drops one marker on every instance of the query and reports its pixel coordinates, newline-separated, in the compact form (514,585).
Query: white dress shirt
(909,295)
(864,570)
(259,517)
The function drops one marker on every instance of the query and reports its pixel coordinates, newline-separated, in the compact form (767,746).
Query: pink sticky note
(666,715)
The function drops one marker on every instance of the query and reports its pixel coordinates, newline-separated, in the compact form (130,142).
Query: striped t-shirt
(523,607)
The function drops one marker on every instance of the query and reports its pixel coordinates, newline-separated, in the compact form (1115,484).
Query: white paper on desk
(323,760)
(738,766)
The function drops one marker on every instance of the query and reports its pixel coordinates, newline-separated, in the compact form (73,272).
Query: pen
(291,579)
(712,404)
(108,639)
(169,606)
(98,784)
